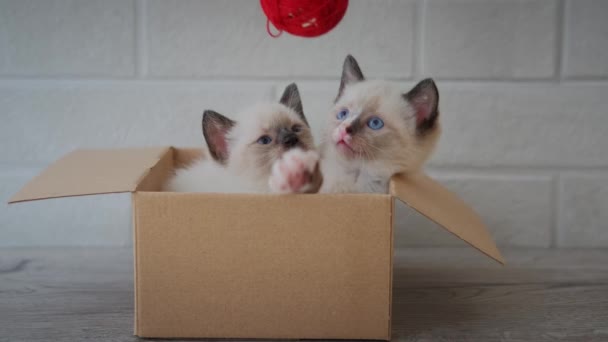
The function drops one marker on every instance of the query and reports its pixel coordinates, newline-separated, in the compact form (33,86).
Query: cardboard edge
(391,201)
(136,294)
(18,198)
(15,197)
(168,152)
(12,200)
(393,190)
(498,258)
(155,177)
(196,153)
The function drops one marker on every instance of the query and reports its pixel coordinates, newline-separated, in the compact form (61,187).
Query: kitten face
(375,122)
(266,132)
(251,145)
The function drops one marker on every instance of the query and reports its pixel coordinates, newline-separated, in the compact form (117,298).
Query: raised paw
(296,172)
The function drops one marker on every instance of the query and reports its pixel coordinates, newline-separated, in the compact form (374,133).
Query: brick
(67,37)
(523,125)
(44,120)
(583,218)
(516,209)
(213,39)
(586,45)
(103,220)
(478,39)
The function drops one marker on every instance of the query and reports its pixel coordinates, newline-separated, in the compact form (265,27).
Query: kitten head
(373,121)
(263,133)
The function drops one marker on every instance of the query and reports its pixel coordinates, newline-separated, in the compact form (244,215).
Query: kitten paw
(296,172)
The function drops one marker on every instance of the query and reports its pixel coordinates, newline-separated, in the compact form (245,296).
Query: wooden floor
(440,295)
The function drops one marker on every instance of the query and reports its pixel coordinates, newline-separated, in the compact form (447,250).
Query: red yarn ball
(304,18)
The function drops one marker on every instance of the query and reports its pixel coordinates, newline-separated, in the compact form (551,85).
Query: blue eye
(264,140)
(342,114)
(375,123)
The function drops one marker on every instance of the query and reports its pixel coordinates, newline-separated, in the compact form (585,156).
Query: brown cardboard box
(256,266)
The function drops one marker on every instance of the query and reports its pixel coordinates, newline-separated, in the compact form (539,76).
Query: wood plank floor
(445,294)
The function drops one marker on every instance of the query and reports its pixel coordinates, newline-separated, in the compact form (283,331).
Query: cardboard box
(256,266)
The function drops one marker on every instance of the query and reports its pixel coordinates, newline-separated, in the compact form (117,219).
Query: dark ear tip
(349,59)
(211,115)
(292,87)
(290,94)
(208,115)
(428,82)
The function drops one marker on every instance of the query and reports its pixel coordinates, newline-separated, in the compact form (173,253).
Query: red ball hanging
(304,18)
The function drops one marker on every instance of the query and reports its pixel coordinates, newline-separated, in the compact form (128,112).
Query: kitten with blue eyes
(269,149)
(375,131)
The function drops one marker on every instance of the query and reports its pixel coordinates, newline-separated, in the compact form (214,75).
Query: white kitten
(376,131)
(269,149)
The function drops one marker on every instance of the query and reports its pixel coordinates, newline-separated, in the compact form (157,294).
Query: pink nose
(342,132)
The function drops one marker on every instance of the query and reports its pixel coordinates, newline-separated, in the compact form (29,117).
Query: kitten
(270,149)
(376,131)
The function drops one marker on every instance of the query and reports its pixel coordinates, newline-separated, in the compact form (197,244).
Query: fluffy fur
(242,163)
(356,158)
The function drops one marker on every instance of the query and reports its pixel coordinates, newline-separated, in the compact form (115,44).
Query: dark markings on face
(355,126)
(373,144)
(286,133)
(287,138)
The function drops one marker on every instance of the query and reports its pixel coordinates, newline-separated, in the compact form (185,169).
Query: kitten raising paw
(296,172)
(241,153)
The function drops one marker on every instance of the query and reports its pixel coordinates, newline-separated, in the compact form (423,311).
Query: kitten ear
(215,128)
(424,98)
(351,73)
(291,98)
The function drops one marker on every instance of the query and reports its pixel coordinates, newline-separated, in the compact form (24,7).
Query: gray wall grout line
(303,79)
(555,204)
(141,38)
(559,41)
(565,38)
(418,45)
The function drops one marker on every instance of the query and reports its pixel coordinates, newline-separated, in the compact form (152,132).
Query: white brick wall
(483,39)
(523,83)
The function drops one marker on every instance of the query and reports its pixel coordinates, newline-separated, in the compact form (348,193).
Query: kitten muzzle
(344,135)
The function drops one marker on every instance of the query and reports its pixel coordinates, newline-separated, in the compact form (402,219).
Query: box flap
(87,172)
(443,207)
